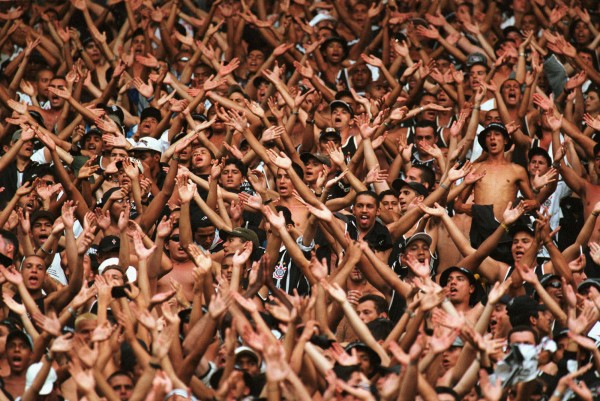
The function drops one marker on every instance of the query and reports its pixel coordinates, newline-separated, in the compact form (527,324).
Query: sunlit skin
(40,231)
(476,75)
(522,337)
(521,243)
(511,93)
(459,288)
(406,196)
(365,211)
(499,321)
(592,102)
(122,385)
(367,312)
(390,202)
(538,165)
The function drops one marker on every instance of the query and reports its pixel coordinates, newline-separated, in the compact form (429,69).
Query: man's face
(247,363)
(356,275)
(365,211)
(554,288)
(123,386)
(529,23)
(29,202)
(511,92)
(18,355)
(449,357)
(201,74)
(419,249)
(40,231)
(93,143)
(33,272)
(147,126)
(262,91)
(427,115)
(360,76)
(499,322)
(176,251)
(138,45)
(118,154)
(340,118)
(56,101)
(424,136)
(477,74)
(284,183)
(231,177)
(114,277)
(459,287)
(522,337)
(365,362)
(227,268)
(415,175)
(201,158)
(406,197)
(43,81)
(538,165)
(312,171)
(255,59)
(93,51)
(233,244)
(544,322)
(85,328)
(390,202)
(204,236)
(377,90)
(367,312)
(492,116)
(334,52)
(521,243)
(495,142)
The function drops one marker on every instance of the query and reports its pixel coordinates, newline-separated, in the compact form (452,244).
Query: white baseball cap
(32,373)
(147,143)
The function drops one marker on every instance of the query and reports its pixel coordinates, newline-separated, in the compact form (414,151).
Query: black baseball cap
(446,273)
(340,103)
(150,112)
(109,243)
(306,156)
(419,188)
(330,133)
(42,214)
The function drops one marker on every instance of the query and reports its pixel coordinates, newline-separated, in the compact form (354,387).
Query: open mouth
(33,280)
(363,219)
(43,238)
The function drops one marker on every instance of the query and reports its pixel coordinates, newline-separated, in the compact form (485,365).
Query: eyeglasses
(174,238)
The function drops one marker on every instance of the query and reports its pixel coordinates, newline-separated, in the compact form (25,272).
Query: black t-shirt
(378,237)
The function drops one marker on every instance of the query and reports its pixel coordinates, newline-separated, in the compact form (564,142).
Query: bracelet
(547,242)
(535,191)
(72,312)
(45,251)
(522,54)
(410,313)
(595,214)
(421,109)
(295,112)
(268,201)
(154,365)
(505,227)
(446,187)
(556,165)
(310,122)
(386,124)
(476,107)
(49,357)
(557,394)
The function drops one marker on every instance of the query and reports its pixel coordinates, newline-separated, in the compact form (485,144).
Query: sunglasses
(174,238)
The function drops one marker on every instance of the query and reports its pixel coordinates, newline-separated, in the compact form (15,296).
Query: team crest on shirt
(279,271)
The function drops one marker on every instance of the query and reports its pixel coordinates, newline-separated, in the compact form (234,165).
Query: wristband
(295,112)
(522,54)
(505,227)
(49,357)
(410,313)
(476,107)
(557,394)
(266,202)
(72,312)
(535,190)
(45,251)
(596,214)
(386,124)
(310,122)
(556,165)
(446,187)
(154,365)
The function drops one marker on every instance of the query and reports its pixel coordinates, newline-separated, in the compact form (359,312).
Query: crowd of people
(287,199)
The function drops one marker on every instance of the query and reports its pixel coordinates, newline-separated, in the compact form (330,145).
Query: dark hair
(120,373)
(447,390)
(237,89)
(381,304)
(238,164)
(380,328)
(427,124)
(523,327)
(343,93)
(427,175)
(298,169)
(368,193)
(385,193)
(12,238)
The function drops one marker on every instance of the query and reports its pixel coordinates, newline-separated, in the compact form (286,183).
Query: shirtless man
(498,187)
(182,267)
(588,191)
(52,115)
(18,353)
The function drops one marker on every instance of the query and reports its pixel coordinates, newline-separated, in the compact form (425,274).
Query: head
(341,115)
(227,267)
(494,139)
(425,135)
(492,116)
(422,175)
(255,59)
(284,184)
(58,82)
(9,244)
(592,100)
(92,142)
(408,194)
(233,174)
(418,246)
(539,162)
(371,307)
(18,352)
(511,92)
(122,383)
(33,271)
(85,325)
(175,247)
(477,73)
(314,166)
(365,210)
(41,227)
(247,360)
(459,285)
(522,335)
(389,200)
(334,50)
(42,81)
(499,321)
(360,76)
(239,239)
(521,242)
